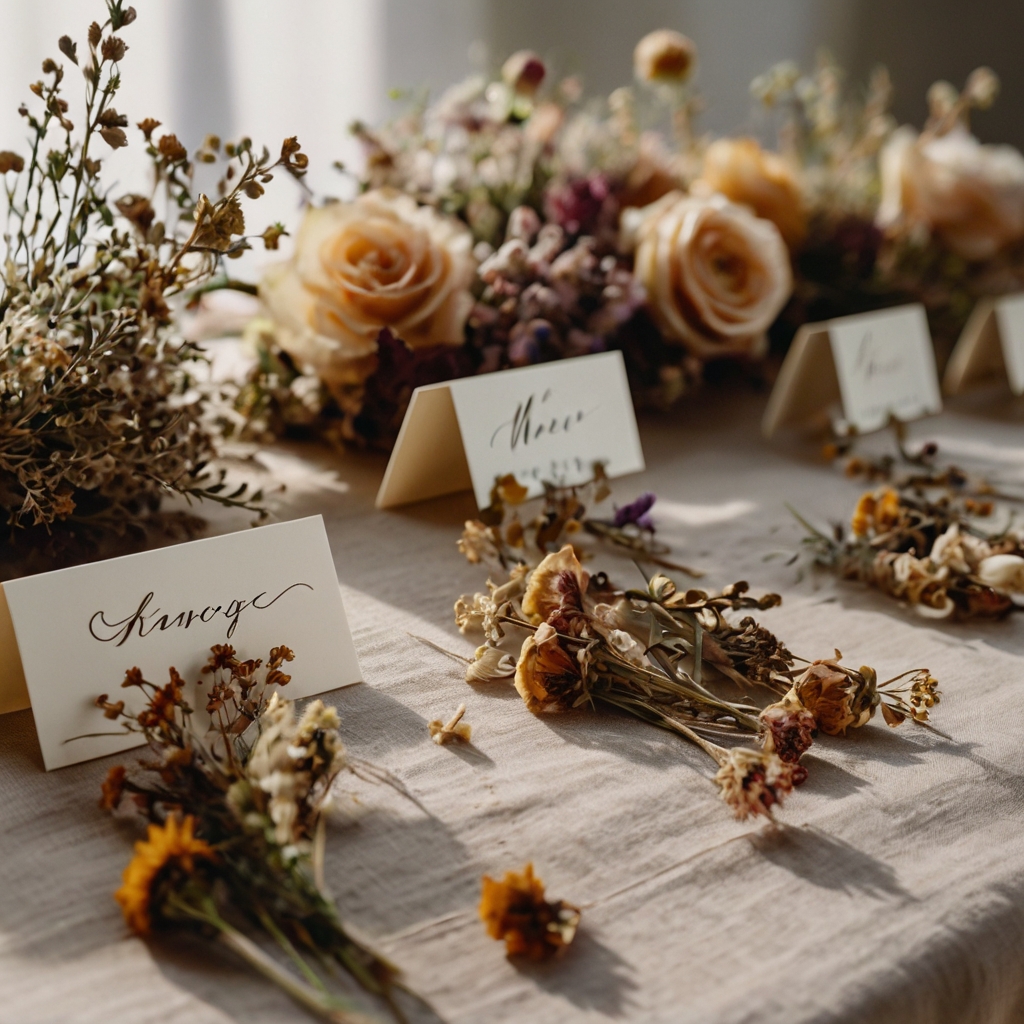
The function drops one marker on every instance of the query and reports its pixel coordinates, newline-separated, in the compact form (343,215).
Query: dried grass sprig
(502,537)
(99,418)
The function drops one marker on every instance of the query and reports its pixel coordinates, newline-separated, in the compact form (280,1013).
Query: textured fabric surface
(891,891)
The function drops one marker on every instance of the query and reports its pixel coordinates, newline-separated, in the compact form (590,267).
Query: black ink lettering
(124,626)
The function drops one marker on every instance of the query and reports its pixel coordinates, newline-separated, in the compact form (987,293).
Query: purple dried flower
(637,512)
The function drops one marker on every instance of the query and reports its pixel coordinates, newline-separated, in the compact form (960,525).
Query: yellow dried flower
(548,677)
(515,910)
(863,513)
(168,850)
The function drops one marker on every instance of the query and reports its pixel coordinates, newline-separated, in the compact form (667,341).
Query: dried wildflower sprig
(516,911)
(501,538)
(676,659)
(236,834)
(919,469)
(97,420)
(933,554)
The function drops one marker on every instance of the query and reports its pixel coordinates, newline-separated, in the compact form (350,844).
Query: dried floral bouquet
(237,834)
(512,221)
(570,640)
(933,552)
(98,419)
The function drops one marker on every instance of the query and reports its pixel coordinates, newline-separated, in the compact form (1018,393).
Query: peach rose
(970,195)
(743,172)
(380,261)
(716,275)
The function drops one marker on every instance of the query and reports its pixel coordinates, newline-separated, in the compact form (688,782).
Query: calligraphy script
(144,621)
(529,424)
(872,362)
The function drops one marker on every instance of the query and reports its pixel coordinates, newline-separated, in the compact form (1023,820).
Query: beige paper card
(878,365)
(546,423)
(79,630)
(991,346)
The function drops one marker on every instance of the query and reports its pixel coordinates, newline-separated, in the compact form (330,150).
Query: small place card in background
(550,422)
(991,345)
(879,364)
(79,630)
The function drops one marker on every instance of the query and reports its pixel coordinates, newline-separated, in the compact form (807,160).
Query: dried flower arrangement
(236,834)
(931,534)
(888,214)
(931,552)
(568,639)
(487,235)
(98,419)
(510,223)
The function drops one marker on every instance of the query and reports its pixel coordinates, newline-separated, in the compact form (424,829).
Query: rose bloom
(716,275)
(971,196)
(380,261)
(743,172)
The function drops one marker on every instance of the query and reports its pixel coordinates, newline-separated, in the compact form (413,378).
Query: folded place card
(546,423)
(880,365)
(991,345)
(79,630)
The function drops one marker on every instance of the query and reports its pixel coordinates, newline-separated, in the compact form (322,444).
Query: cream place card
(79,630)
(546,423)
(990,346)
(879,365)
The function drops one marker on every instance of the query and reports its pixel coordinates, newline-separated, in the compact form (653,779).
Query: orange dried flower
(548,677)
(887,510)
(838,699)
(515,910)
(169,853)
(113,788)
(863,515)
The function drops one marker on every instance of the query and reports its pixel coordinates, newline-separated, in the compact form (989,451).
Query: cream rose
(380,261)
(716,275)
(970,195)
(745,173)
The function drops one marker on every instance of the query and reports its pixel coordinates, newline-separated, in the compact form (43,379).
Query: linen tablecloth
(892,889)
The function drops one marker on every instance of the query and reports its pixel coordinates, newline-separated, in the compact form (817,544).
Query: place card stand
(545,423)
(878,365)
(990,347)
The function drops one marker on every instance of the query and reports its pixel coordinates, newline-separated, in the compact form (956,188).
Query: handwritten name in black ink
(143,621)
(872,363)
(529,424)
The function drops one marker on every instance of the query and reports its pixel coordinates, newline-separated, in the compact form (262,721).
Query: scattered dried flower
(515,910)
